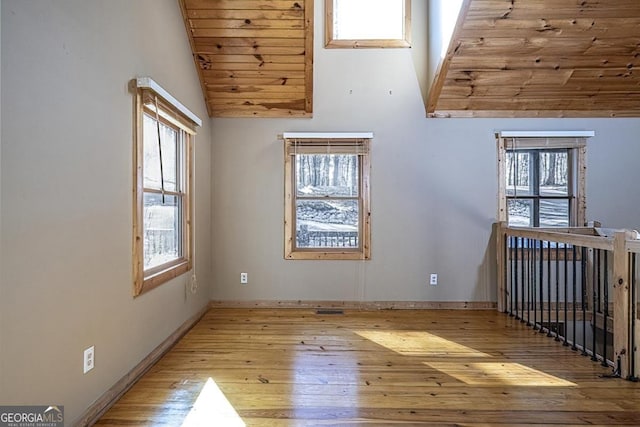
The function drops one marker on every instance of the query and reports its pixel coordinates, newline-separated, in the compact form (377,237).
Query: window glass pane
(518,173)
(554,213)
(168,137)
(332,175)
(162,232)
(553,174)
(327,223)
(520,213)
(368,19)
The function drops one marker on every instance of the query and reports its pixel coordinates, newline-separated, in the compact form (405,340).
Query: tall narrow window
(162,245)
(542,179)
(327,213)
(368,23)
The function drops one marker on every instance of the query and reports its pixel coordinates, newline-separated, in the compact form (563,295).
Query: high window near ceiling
(327,209)
(163,183)
(542,178)
(367,23)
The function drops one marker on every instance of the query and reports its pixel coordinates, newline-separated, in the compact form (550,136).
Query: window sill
(324,255)
(367,44)
(158,278)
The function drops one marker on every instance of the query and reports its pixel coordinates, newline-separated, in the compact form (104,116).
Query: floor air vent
(329,311)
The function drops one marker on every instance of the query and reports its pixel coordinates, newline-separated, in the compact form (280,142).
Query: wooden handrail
(633,245)
(619,244)
(578,239)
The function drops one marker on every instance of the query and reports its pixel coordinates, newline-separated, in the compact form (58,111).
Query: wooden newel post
(621,301)
(499,230)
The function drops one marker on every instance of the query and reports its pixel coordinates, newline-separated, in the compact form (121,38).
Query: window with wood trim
(367,23)
(542,181)
(327,209)
(162,220)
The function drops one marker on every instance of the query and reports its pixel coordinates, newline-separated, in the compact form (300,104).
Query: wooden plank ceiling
(254,57)
(541,58)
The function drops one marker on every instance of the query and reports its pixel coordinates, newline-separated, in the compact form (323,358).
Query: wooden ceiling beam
(254,57)
(245,4)
(566,57)
(507,114)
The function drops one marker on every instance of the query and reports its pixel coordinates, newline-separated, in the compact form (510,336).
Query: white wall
(65,193)
(435,32)
(433,186)
(2,364)
(66,274)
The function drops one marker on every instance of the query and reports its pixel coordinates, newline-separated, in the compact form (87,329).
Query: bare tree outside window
(327,214)
(542,178)
(538,188)
(327,208)
(162,184)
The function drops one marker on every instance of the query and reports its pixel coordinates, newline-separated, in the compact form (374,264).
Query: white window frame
(335,43)
(152,100)
(318,143)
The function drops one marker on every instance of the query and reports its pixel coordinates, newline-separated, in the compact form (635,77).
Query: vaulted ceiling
(507,58)
(541,58)
(254,57)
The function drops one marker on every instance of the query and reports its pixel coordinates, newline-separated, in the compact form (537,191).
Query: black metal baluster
(534,282)
(506,267)
(594,308)
(573,297)
(527,296)
(634,314)
(522,279)
(599,281)
(542,285)
(514,271)
(584,297)
(605,291)
(557,292)
(549,299)
(565,297)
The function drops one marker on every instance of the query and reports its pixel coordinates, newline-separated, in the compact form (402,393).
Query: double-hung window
(162,244)
(327,214)
(542,178)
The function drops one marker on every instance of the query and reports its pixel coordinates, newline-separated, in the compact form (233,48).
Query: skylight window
(368,23)
(450,9)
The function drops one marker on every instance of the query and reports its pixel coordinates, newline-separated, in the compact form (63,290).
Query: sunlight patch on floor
(212,408)
(499,373)
(416,343)
(334,386)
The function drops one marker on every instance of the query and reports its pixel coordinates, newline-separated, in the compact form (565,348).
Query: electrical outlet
(193,283)
(433,281)
(89,359)
(244,278)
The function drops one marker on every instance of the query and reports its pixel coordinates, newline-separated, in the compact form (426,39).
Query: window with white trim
(542,180)
(327,209)
(163,240)
(368,23)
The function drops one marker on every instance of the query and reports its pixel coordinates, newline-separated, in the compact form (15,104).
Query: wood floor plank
(293,367)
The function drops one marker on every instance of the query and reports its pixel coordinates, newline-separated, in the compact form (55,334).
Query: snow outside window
(162,237)
(539,188)
(327,199)
(542,178)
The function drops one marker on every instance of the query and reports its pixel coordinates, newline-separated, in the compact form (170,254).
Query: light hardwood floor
(291,367)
